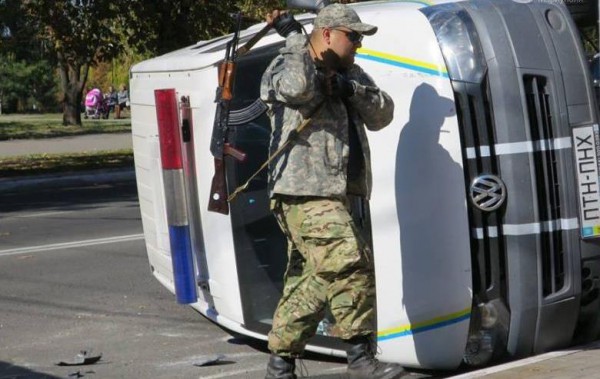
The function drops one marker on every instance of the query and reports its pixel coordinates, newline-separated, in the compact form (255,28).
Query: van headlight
(459,42)
(488,333)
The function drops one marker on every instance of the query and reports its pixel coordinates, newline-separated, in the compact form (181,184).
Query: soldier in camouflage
(329,263)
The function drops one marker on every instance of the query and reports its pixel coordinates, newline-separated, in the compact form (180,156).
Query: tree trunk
(72,86)
(72,107)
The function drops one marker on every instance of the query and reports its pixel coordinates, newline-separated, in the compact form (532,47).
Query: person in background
(330,265)
(111,99)
(93,103)
(122,99)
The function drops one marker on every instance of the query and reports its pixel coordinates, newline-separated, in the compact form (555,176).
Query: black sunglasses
(354,37)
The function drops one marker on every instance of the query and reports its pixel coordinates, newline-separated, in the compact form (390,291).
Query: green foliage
(27,86)
(79,31)
(162,26)
(589,37)
(255,11)
(27,76)
(17,40)
(12,85)
(66,38)
(43,87)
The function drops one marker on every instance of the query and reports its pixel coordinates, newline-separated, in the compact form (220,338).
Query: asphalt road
(74,276)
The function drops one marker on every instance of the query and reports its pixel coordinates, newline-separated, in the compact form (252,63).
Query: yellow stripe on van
(426,3)
(423,326)
(404,62)
(422,2)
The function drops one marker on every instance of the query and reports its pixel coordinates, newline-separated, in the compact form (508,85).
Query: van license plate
(586,142)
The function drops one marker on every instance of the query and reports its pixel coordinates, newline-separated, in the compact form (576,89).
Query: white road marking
(202,357)
(69,245)
(237,373)
(41,214)
(52,213)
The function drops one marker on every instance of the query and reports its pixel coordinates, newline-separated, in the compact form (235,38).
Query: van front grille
(487,244)
(547,182)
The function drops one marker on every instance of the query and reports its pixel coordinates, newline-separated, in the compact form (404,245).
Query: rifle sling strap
(291,138)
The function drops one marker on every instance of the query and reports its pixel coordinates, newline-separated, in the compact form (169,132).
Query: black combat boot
(363,364)
(281,367)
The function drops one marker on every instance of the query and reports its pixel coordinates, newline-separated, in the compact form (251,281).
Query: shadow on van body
(423,170)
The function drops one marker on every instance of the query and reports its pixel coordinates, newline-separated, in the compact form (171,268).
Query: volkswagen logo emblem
(488,192)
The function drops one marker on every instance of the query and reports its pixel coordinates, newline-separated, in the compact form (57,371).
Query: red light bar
(167,116)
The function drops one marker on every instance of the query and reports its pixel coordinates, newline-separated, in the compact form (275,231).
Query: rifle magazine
(247,114)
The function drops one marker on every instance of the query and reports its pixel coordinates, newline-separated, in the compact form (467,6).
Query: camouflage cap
(336,15)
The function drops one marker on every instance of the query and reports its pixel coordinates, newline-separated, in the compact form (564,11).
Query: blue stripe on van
(405,65)
(420,327)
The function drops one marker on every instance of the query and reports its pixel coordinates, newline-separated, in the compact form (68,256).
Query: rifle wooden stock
(221,70)
(228,69)
(218,190)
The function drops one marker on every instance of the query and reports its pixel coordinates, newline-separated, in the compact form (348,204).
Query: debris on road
(83,358)
(213,361)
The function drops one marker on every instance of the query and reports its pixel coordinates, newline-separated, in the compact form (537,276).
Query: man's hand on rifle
(340,86)
(284,23)
(335,84)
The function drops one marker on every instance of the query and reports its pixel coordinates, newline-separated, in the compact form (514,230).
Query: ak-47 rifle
(218,144)
(218,201)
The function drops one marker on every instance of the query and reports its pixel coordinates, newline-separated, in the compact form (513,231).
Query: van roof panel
(205,54)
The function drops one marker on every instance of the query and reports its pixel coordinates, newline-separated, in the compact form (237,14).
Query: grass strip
(36,164)
(50,125)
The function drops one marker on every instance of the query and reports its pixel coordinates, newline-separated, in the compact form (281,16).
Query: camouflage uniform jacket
(315,164)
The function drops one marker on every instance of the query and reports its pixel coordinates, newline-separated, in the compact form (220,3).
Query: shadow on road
(59,198)
(9,371)
(260,345)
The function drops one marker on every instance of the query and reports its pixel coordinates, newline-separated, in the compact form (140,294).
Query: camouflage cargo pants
(329,263)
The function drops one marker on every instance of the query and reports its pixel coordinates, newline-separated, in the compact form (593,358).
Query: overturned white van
(485,213)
